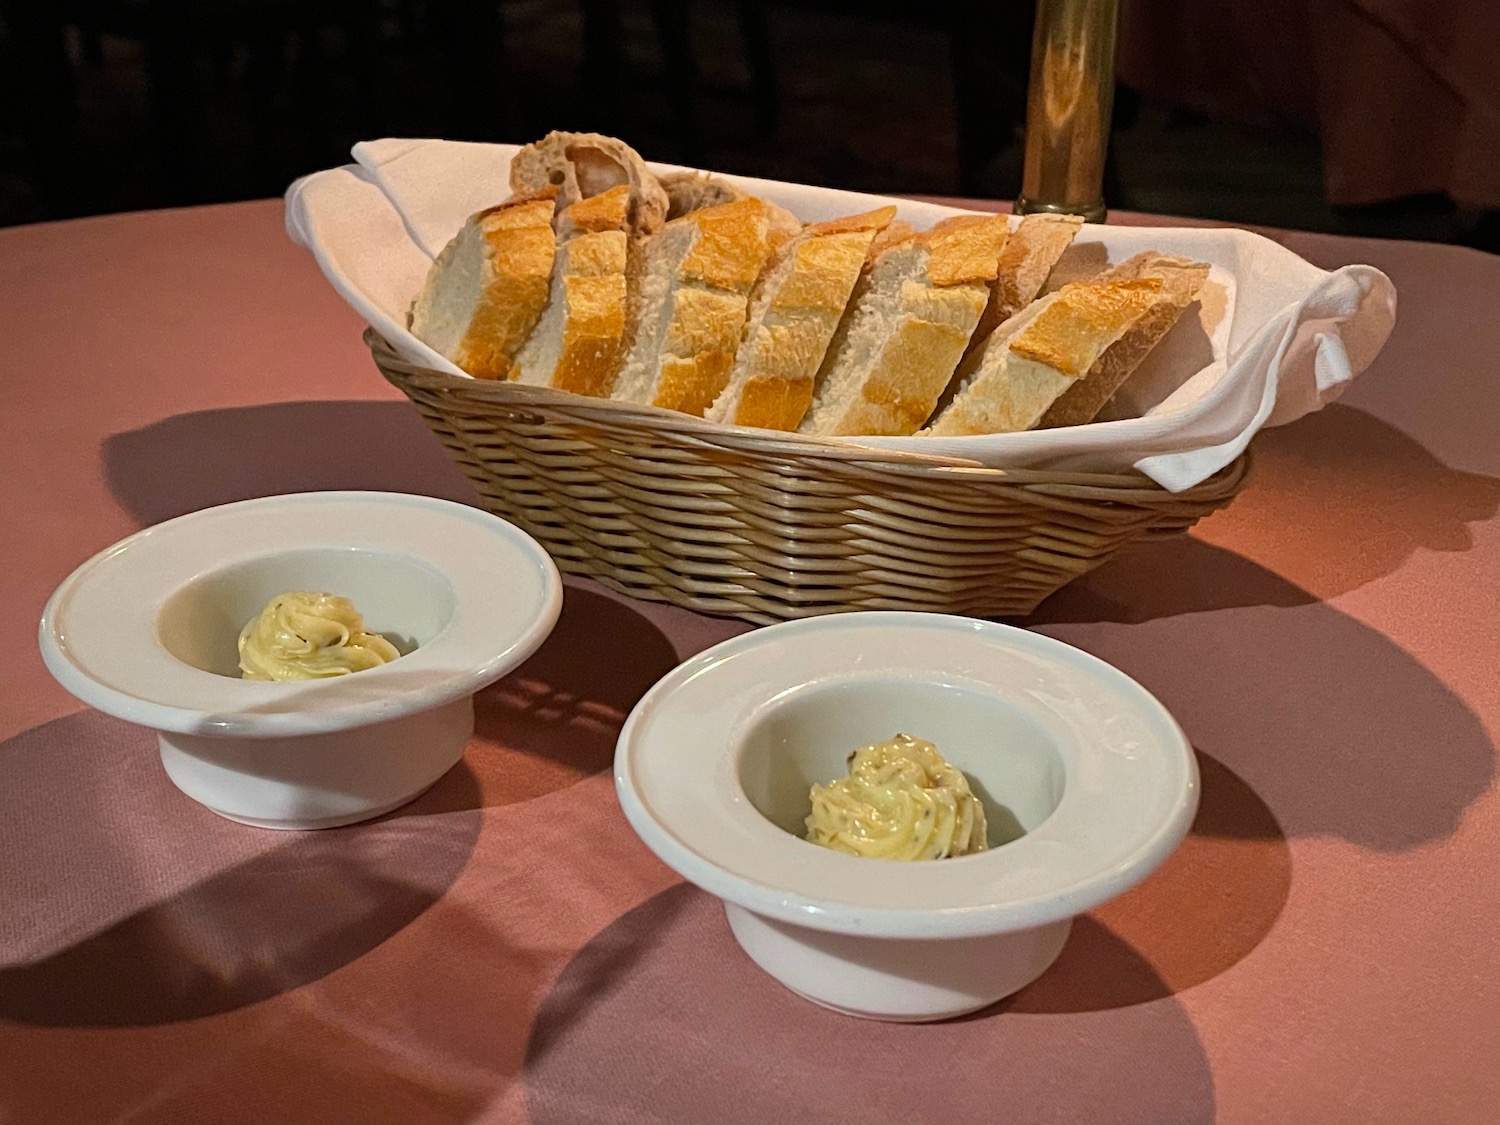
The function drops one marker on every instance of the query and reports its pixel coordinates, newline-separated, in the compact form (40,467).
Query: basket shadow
(193,461)
(273,911)
(1328,725)
(1319,712)
(1363,484)
(669,978)
(554,720)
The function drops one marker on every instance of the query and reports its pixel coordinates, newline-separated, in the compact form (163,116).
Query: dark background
(111,105)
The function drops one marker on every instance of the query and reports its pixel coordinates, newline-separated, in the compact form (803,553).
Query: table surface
(1322,949)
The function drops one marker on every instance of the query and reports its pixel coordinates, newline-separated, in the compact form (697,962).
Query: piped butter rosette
(310,636)
(902,800)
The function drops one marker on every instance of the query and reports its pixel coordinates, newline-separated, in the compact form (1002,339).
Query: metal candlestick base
(1092,212)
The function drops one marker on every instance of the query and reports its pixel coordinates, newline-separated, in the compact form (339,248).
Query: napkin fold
(1271,339)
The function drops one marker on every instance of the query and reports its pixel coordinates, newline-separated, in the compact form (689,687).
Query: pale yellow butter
(901,800)
(309,636)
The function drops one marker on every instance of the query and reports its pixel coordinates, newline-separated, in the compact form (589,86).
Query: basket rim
(745,439)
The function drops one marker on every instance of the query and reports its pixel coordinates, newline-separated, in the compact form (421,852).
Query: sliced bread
(695,283)
(696,191)
(581,165)
(1181,282)
(486,291)
(907,325)
(1031,251)
(1098,328)
(576,345)
(794,311)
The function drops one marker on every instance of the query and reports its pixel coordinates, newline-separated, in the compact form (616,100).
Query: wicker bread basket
(765,526)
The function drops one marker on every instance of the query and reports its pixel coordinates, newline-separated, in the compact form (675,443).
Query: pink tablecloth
(1323,948)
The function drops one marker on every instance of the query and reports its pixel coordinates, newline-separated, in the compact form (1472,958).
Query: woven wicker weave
(767,526)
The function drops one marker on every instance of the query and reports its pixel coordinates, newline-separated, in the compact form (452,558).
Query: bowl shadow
(555,719)
(1170,933)
(271,911)
(703,1020)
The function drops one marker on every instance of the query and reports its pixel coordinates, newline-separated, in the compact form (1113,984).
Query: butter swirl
(309,636)
(901,800)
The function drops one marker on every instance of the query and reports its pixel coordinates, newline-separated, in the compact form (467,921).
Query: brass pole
(1068,106)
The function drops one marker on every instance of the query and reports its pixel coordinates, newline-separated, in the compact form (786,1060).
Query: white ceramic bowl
(1083,771)
(147,631)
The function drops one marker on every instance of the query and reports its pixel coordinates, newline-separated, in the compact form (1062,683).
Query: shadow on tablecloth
(193,461)
(100,835)
(662,1019)
(1339,499)
(131,905)
(1356,496)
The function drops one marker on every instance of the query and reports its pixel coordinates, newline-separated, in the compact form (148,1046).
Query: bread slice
(907,326)
(793,314)
(696,191)
(695,285)
(1031,251)
(486,291)
(1181,282)
(1063,340)
(581,165)
(576,345)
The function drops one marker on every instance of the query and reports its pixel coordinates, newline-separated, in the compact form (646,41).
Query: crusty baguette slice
(1031,251)
(906,327)
(1181,282)
(581,165)
(576,345)
(794,311)
(697,191)
(898,232)
(696,278)
(1058,342)
(485,292)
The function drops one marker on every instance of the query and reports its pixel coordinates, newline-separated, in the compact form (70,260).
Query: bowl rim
(784,900)
(467,655)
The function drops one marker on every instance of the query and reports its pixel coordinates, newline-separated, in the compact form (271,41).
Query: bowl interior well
(401,597)
(806,736)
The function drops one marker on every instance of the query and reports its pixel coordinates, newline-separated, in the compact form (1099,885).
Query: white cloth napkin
(1273,337)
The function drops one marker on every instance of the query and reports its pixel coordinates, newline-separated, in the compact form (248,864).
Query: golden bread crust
(609,210)
(874,221)
(1028,257)
(519,248)
(710,302)
(1061,360)
(595,327)
(732,247)
(594,288)
(582,165)
(898,394)
(898,232)
(779,362)
(965,248)
(1181,281)
(1074,330)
